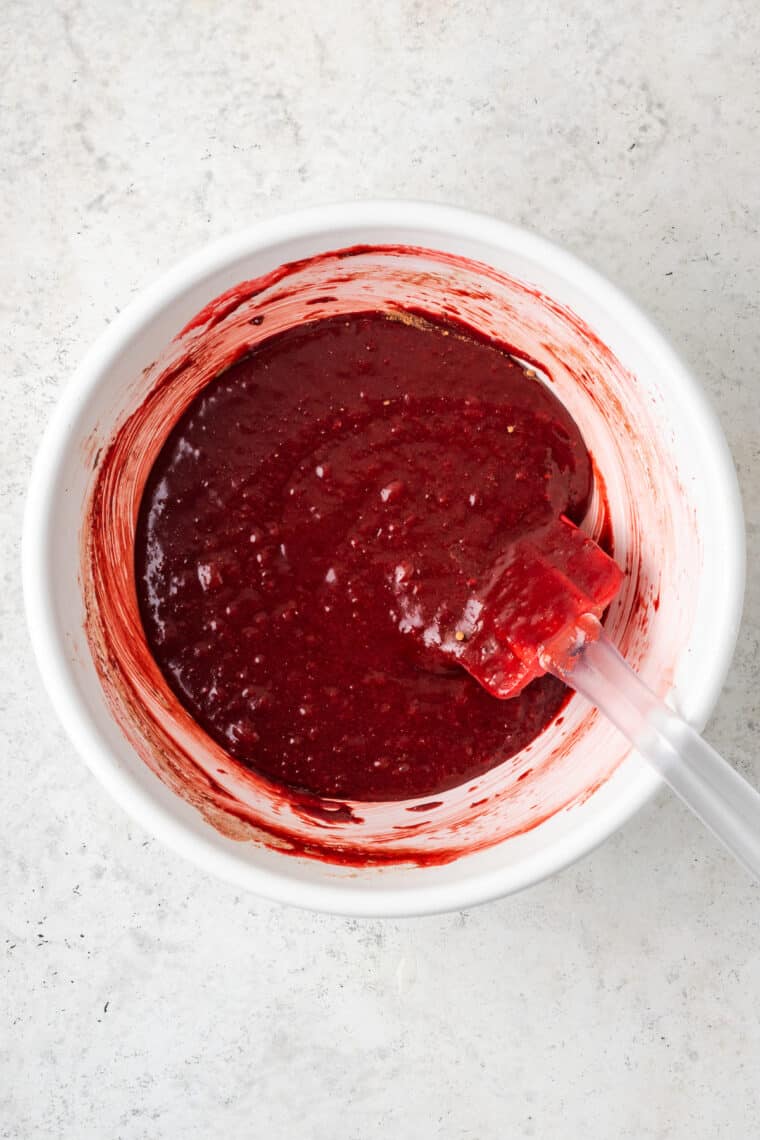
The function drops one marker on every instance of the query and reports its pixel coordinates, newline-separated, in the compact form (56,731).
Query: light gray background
(142,999)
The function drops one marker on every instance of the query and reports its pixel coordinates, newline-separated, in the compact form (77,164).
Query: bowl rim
(318,222)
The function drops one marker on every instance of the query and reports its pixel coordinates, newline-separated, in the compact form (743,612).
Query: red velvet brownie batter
(289,511)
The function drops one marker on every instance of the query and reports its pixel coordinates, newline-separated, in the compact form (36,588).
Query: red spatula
(538,591)
(540,614)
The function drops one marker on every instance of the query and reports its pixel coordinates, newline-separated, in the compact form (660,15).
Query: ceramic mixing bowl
(662,467)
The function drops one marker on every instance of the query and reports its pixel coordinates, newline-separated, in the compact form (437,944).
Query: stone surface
(140,998)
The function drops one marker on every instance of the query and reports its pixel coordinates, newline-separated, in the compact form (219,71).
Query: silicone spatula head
(540,588)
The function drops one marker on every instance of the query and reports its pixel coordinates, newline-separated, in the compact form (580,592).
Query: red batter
(288,513)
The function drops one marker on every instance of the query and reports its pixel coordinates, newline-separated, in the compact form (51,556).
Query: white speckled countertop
(141,999)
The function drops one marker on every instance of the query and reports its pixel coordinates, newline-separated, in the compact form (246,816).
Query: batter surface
(285,518)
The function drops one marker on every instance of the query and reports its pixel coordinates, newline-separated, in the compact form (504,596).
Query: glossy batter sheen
(285,518)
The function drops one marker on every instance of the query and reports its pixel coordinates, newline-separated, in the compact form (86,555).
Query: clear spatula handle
(714,791)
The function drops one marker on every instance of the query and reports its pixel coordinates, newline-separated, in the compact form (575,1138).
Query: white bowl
(676,517)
